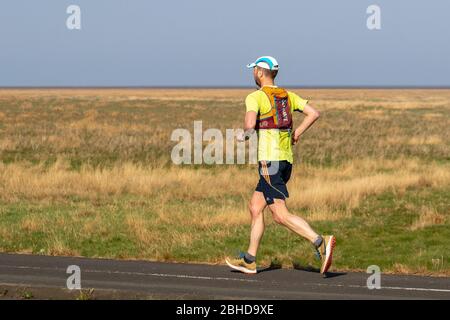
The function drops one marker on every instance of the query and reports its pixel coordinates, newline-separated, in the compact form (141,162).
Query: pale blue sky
(208,43)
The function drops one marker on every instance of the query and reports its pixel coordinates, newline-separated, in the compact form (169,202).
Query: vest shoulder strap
(272,93)
(275,92)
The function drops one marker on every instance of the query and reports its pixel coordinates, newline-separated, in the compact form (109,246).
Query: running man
(269,112)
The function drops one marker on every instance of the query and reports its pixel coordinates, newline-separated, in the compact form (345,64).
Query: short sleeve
(251,104)
(297,103)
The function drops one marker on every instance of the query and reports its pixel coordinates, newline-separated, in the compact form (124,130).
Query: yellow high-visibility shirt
(273,144)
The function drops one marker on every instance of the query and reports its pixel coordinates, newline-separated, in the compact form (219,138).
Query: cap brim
(251,65)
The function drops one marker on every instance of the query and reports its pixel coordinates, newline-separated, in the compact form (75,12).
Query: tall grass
(317,189)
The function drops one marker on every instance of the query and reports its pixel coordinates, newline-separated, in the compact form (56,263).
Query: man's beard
(258,83)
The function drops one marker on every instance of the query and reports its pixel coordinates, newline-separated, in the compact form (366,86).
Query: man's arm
(311,115)
(250,120)
(249,125)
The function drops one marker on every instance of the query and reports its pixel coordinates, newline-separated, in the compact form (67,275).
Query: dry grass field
(88,172)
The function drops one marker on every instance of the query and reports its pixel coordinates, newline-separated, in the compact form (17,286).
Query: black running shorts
(273,176)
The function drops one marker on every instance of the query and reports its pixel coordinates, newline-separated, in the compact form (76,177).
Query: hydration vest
(279,116)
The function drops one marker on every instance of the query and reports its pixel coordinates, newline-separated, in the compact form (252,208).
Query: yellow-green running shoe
(325,252)
(239,264)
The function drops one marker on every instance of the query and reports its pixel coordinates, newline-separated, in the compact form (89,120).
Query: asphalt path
(198,281)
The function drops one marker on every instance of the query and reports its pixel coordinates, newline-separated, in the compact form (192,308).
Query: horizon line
(228,87)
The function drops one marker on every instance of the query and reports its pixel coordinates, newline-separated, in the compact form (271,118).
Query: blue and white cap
(266,62)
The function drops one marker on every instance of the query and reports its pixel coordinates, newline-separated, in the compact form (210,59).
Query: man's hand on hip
(295,137)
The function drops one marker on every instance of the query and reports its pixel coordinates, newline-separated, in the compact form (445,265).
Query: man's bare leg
(256,207)
(296,224)
(247,263)
(324,245)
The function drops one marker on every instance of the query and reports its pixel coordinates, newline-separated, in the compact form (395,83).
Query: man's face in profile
(256,77)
